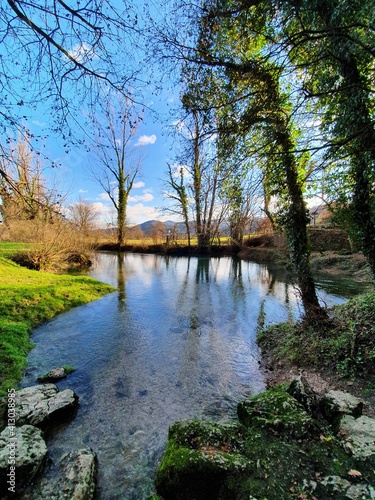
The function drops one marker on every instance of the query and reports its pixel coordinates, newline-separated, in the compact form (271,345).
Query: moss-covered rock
(278,411)
(277,451)
(199,459)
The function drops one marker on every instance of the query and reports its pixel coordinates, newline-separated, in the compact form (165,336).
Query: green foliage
(30,298)
(338,68)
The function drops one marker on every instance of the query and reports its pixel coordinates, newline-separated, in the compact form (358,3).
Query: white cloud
(106,213)
(38,123)
(82,53)
(82,191)
(138,185)
(139,213)
(144,140)
(143,197)
(103,196)
(176,171)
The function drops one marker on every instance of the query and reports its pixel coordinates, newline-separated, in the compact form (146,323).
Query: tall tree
(334,41)
(178,193)
(118,159)
(202,163)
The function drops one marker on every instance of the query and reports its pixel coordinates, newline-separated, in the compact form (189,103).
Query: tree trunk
(296,230)
(121,212)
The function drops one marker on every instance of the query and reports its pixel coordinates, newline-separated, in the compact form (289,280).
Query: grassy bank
(346,346)
(29,298)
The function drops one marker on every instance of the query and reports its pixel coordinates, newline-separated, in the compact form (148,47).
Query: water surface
(175,341)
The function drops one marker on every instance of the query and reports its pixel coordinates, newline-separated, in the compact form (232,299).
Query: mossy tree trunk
(121,209)
(361,126)
(295,224)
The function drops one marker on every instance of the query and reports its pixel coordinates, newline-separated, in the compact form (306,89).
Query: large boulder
(336,404)
(200,459)
(41,405)
(22,454)
(359,436)
(75,478)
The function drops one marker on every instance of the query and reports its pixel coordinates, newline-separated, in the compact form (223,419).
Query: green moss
(261,459)
(29,298)
(199,458)
(68,369)
(277,411)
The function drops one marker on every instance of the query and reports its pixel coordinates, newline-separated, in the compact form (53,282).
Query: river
(175,341)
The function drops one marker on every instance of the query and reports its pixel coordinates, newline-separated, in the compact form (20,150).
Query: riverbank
(30,298)
(340,355)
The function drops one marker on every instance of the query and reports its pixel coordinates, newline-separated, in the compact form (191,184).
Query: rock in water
(55,375)
(74,480)
(24,449)
(44,404)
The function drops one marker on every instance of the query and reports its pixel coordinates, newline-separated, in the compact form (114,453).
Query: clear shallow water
(176,341)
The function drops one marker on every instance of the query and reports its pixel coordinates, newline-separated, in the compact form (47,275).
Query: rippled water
(176,341)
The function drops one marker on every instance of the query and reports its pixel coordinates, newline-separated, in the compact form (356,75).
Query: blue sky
(72,177)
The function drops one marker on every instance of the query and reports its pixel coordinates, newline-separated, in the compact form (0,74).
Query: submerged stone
(74,480)
(44,404)
(55,375)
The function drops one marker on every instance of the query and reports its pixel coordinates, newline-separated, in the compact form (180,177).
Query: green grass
(7,248)
(29,298)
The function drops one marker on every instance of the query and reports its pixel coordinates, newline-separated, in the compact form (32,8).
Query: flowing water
(175,341)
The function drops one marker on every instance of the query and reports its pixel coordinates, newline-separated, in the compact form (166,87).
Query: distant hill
(148,226)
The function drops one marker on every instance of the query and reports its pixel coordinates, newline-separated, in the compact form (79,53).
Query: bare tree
(52,52)
(204,173)
(177,192)
(84,216)
(23,187)
(241,196)
(118,159)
